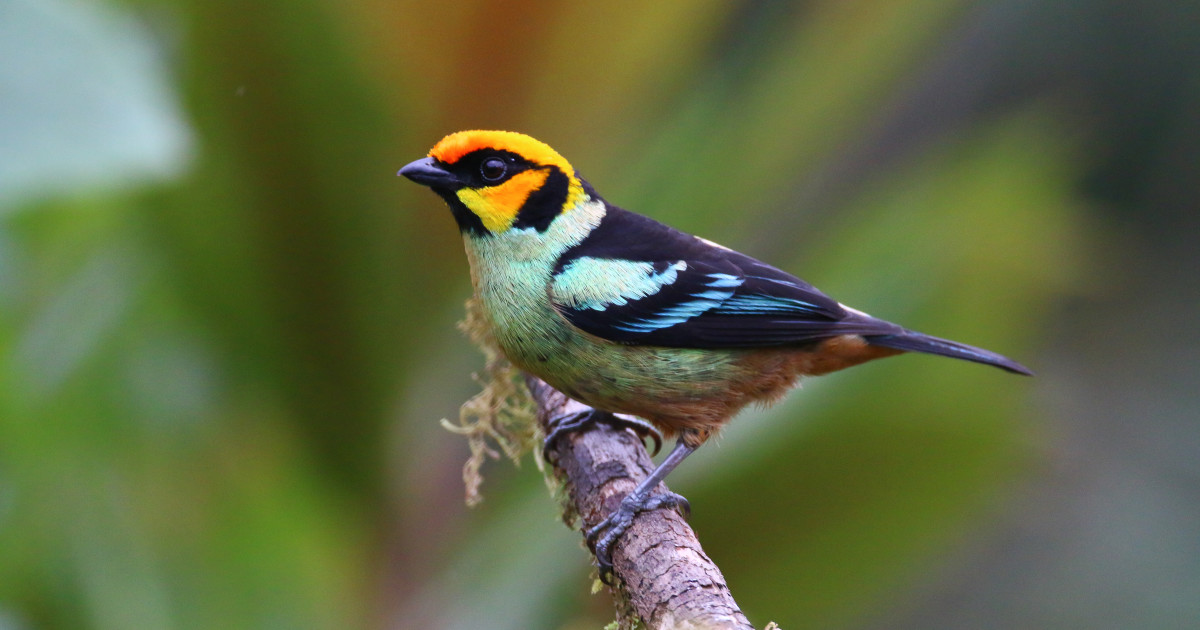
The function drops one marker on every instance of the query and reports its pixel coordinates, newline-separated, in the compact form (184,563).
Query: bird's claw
(607,532)
(581,420)
(642,429)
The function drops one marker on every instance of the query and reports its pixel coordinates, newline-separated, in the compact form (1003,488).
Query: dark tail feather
(916,342)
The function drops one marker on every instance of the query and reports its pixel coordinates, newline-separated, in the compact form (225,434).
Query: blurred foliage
(227,330)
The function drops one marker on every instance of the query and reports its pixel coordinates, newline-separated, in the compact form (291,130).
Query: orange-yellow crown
(498,206)
(458,144)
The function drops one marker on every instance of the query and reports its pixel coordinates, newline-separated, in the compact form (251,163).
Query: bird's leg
(583,419)
(602,537)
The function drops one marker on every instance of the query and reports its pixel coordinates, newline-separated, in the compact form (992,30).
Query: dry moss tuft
(500,419)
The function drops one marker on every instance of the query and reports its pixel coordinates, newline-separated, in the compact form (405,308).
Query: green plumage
(513,277)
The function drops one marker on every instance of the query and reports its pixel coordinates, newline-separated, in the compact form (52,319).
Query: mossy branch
(665,576)
(500,416)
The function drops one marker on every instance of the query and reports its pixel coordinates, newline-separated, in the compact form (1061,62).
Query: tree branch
(670,582)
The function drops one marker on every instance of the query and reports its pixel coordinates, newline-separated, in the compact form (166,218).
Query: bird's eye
(493,169)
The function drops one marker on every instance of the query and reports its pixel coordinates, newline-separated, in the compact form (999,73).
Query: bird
(634,317)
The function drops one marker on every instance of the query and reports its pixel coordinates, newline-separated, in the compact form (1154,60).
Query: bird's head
(498,180)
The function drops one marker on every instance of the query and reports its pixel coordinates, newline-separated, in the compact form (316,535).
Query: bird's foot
(606,533)
(583,419)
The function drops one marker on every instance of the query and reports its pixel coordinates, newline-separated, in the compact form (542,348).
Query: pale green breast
(512,274)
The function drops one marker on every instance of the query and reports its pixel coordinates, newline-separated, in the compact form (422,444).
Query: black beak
(426,172)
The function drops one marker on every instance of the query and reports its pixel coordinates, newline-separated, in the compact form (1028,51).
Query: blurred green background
(227,329)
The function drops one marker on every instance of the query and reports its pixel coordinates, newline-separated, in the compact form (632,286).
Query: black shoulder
(630,236)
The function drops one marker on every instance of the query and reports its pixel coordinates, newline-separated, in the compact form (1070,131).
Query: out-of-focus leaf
(84,101)
(68,330)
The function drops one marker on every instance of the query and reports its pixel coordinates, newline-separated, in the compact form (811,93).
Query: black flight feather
(726,299)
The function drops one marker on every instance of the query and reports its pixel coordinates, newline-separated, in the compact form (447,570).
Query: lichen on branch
(501,418)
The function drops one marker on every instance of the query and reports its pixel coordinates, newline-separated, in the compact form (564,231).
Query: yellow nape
(498,206)
(451,148)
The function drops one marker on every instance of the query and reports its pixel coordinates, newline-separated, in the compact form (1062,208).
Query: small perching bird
(631,316)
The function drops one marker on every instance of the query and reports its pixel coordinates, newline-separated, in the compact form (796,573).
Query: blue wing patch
(724,280)
(634,280)
(696,305)
(765,305)
(600,283)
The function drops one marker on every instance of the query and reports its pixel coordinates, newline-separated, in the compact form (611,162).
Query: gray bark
(669,580)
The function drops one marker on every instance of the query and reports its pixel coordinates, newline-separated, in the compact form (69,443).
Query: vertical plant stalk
(668,579)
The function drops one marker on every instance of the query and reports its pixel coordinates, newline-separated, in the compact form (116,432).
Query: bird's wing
(707,297)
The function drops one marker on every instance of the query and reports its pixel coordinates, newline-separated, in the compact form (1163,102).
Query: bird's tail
(917,342)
